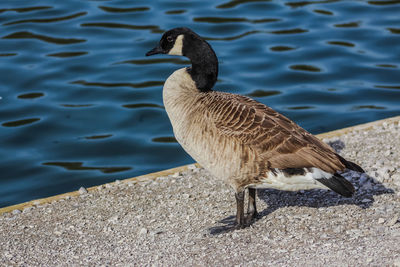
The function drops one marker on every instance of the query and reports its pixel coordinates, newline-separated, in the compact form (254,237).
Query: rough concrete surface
(186,219)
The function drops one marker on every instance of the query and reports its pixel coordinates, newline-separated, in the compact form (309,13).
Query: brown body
(241,140)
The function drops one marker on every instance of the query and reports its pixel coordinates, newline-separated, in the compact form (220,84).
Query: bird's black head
(172,42)
(185,42)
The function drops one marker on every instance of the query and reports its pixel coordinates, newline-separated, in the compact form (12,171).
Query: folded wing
(275,138)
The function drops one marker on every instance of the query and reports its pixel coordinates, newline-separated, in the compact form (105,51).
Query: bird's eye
(170,39)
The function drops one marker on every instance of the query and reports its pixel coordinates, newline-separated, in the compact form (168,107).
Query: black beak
(155,50)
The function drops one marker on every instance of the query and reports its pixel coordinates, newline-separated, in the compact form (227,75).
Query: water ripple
(388,86)
(166,139)
(133,85)
(143,105)
(281,48)
(305,68)
(290,31)
(57,19)
(153,28)
(381,3)
(30,95)
(78,166)
(173,60)
(103,136)
(387,66)
(20,122)
(231,38)
(8,54)
(25,9)
(124,9)
(67,54)
(76,105)
(300,107)
(306,3)
(323,12)
(229,20)
(394,30)
(341,43)
(263,93)
(367,107)
(175,12)
(353,24)
(29,35)
(234,3)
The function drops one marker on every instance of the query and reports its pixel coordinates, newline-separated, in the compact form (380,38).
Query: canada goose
(238,139)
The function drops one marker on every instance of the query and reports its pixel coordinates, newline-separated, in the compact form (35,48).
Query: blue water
(81,105)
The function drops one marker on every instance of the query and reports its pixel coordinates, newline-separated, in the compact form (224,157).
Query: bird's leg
(240,209)
(251,209)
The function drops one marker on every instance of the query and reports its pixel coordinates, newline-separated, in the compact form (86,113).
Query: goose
(237,139)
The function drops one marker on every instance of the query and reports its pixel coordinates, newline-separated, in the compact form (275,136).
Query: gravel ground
(185,219)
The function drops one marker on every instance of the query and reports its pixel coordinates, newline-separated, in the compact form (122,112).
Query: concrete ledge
(152,176)
(145,177)
(360,127)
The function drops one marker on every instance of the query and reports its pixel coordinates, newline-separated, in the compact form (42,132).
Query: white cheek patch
(177,48)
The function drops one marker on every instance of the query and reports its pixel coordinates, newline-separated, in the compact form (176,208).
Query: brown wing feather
(275,138)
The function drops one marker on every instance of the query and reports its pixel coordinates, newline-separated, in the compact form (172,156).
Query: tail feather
(338,184)
(350,165)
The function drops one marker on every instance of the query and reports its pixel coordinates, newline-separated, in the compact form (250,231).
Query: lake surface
(81,105)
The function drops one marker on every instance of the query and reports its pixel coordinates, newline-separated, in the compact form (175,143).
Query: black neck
(204,70)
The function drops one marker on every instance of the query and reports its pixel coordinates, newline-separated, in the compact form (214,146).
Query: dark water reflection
(124,9)
(77,166)
(67,54)
(43,20)
(29,35)
(31,95)
(19,122)
(80,105)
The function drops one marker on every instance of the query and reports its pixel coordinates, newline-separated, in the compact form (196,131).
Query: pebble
(393,220)
(192,167)
(58,233)
(83,190)
(381,220)
(114,219)
(177,174)
(143,231)
(27,209)
(366,200)
(388,153)
(16,212)
(8,255)
(396,177)
(36,202)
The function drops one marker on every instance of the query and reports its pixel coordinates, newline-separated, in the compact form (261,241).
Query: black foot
(250,218)
(247,221)
(237,226)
